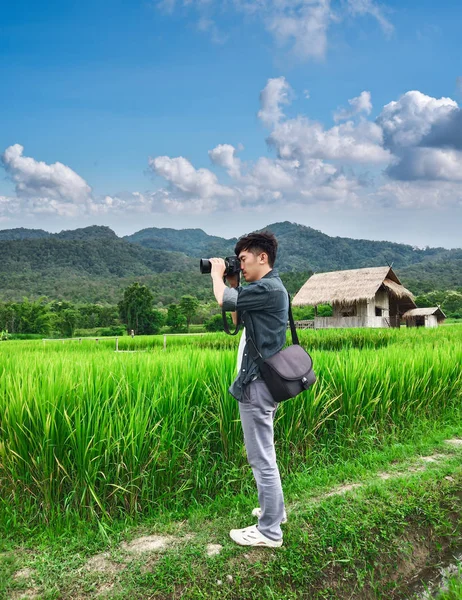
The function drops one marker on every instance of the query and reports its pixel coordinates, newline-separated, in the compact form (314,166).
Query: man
(263,307)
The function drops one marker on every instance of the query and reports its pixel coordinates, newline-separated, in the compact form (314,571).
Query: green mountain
(79,265)
(193,242)
(23,234)
(93,264)
(303,247)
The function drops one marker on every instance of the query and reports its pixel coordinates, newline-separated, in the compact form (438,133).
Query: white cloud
(415,139)
(407,120)
(9,207)
(424,135)
(301,26)
(446,132)
(368,7)
(209,26)
(315,164)
(224,155)
(182,175)
(44,189)
(419,194)
(428,163)
(301,138)
(272,97)
(361,103)
(37,179)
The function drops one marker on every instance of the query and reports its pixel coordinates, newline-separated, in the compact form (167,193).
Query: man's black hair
(257,243)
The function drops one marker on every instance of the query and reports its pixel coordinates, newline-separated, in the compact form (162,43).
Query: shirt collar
(272,273)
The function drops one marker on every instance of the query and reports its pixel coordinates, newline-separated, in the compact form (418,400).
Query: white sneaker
(257,513)
(250,536)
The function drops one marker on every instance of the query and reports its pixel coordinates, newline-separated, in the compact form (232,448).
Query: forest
(60,283)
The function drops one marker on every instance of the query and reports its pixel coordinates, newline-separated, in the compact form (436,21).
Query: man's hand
(218,268)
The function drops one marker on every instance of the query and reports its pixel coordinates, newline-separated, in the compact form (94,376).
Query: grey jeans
(257,409)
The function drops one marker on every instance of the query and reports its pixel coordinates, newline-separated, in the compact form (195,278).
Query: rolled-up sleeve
(230,297)
(252,297)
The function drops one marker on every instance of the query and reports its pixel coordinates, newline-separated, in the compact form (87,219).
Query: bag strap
(293,331)
(256,355)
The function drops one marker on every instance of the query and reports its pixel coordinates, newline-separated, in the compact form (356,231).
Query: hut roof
(346,287)
(424,312)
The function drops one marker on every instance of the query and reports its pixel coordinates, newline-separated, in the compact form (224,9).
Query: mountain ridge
(80,263)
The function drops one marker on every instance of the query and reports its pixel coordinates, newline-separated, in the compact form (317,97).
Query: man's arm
(217,273)
(219,287)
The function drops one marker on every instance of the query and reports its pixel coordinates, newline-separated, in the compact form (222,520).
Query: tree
(452,304)
(156,321)
(136,308)
(68,321)
(188,307)
(9,317)
(66,317)
(34,317)
(324,310)
(175,319)
(215,323)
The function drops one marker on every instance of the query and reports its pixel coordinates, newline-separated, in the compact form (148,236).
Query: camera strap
(226,326)
(225,320)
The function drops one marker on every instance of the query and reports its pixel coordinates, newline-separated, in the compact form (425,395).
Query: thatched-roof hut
(372,297)
(424,317)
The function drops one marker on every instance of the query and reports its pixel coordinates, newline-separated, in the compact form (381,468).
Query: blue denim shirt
(263,306)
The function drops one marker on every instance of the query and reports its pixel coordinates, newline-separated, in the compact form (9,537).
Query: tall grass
(85,428)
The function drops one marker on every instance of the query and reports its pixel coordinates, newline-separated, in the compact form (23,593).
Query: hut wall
(365,309)
(382,301)
(431,321)
(345,322)
(340,311)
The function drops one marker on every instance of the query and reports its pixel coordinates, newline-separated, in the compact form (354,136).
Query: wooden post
(165,342)
(117,344)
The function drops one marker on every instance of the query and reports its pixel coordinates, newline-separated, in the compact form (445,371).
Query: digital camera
(233,265)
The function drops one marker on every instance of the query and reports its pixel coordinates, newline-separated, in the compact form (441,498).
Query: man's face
(252,266)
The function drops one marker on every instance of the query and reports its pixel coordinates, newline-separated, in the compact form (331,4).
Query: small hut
(424,317)
(371,297)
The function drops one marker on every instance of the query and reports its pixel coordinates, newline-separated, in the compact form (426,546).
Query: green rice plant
(84,428)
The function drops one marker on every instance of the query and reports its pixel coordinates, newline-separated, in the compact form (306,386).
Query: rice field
(97,432)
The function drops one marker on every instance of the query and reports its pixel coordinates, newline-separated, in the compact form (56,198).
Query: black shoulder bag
(288,372)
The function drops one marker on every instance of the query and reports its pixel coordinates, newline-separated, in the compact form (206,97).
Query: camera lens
(205,266)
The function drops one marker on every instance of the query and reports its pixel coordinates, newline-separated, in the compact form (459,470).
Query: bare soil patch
(29,594)
(343,489)
(152,543)
(25,573)
(214,549)
(100,563)
(454,442)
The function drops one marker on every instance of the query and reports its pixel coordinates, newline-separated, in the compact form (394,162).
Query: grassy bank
(364,528)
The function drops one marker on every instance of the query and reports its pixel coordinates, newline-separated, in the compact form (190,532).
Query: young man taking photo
(263,307)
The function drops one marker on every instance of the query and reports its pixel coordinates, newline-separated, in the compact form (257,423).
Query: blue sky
(231,115)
